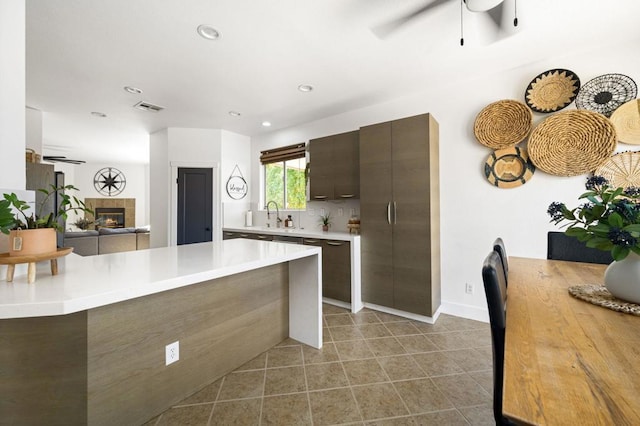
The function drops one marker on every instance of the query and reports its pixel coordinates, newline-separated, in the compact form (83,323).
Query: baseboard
(408,315)
(337,303)
(465,311)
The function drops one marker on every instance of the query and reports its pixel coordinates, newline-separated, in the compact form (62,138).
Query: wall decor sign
(109,181)
(552,90)
(605,93)
(236,185)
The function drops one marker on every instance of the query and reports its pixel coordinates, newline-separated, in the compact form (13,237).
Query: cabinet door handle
(389,213)
(320,197)
(311,241)
(335,243)
(347,195)
(395,213)
(244,235)
(262,237)
(229,234)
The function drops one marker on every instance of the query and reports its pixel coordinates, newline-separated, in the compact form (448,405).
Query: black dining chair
(495,288)
(498,247)
(563,247)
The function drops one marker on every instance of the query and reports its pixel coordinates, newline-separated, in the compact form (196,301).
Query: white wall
(12,98)
(159,188)
(473,212)
(236,151)
(179,147)
(81,176)
(34,129)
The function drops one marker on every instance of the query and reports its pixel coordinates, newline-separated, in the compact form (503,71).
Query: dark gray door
(195,218)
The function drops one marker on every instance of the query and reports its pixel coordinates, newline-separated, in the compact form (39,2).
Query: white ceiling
(81,53)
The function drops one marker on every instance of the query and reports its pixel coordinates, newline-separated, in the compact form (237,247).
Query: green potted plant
(325,221)
(35,233)
(609,219)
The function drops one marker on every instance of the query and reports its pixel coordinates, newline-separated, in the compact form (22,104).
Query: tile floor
(374,369)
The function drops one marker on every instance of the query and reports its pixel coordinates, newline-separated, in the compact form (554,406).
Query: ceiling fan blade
(384,30)
(61,159)
(496,15)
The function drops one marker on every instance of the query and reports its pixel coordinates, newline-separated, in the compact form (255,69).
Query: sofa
(107,240)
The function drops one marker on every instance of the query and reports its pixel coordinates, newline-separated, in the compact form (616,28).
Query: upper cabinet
(334,167)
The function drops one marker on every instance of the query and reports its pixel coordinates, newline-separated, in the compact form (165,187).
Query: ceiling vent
(146,106)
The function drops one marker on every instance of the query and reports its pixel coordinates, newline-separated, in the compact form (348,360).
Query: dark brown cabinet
(334,167)
(336,268)
(399,214)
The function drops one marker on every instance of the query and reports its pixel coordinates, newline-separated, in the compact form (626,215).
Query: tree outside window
(285,183)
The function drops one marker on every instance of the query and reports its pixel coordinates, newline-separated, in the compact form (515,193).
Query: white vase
(622,278)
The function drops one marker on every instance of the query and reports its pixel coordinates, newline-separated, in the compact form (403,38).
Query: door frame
(216,208)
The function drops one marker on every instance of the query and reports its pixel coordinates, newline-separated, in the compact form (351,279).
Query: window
(284,176)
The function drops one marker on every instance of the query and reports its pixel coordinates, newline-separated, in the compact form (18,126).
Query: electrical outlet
(322,213)
(468,288)
(340,211)
(172,352)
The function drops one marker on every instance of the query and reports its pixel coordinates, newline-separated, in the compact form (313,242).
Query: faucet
(278,220)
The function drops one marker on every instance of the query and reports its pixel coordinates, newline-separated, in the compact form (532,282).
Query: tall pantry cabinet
(399,209)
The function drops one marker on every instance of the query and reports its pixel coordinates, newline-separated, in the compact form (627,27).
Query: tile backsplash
(340,211)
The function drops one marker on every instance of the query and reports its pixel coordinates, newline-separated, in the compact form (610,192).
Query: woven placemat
(626,120)
(503,124)
(599,295)
(571,143)
(621,170)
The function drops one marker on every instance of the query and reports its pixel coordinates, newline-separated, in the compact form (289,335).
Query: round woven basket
(621,170)
(605,93)
(503,124)
(552,90)
(626,120)
(572,143)
(509,167)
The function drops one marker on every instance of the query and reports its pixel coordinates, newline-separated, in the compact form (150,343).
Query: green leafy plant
(609,219)
(19,217)
(325,220)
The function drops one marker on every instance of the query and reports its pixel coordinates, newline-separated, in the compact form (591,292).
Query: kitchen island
(88,346)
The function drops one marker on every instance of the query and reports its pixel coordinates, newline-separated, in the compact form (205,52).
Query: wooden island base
(106,366)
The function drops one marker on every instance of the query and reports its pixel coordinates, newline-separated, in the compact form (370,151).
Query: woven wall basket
(626,120)
(572,143)
(621,170)
(552,90)
(503,124)
(509,167)
(605,93)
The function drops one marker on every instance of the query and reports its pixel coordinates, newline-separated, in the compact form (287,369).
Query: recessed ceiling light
(305,88)
(266,123)
(133,90)
(98,114)
(208,32)
(234,113)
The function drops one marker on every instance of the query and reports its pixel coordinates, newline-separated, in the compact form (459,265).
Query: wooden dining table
(567,361)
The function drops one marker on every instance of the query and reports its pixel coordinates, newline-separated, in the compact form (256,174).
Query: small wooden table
(567,361)
(12,261)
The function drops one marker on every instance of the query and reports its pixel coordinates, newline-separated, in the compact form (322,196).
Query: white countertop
(93,281)
(296,232)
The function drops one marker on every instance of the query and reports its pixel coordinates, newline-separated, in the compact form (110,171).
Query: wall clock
(109,181)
